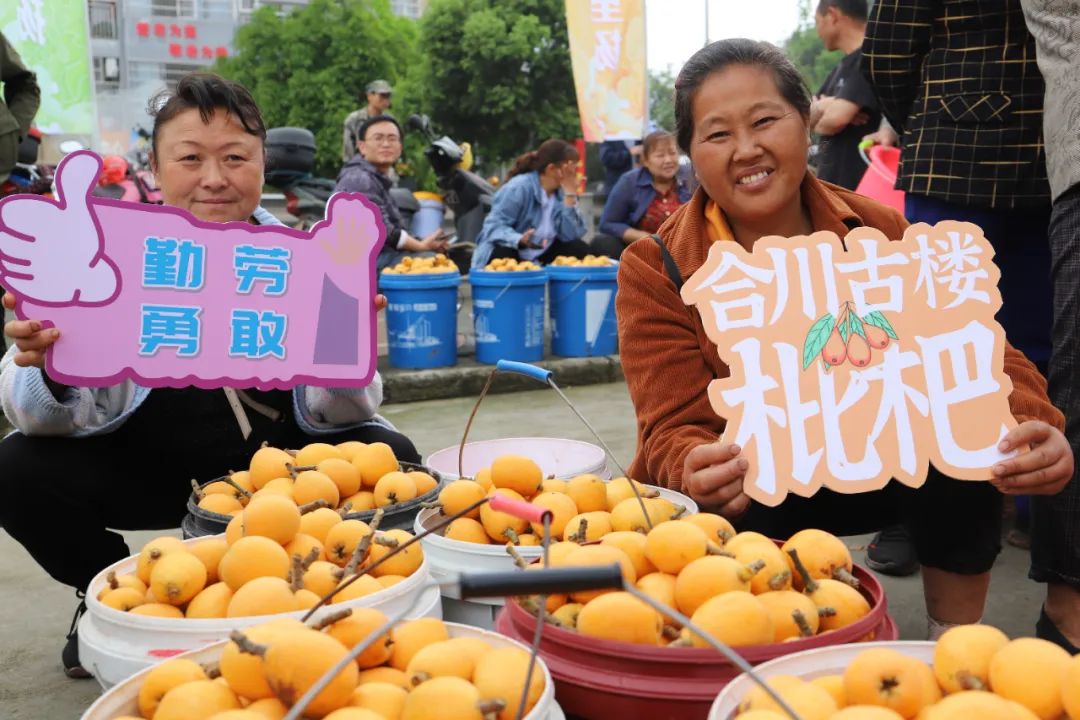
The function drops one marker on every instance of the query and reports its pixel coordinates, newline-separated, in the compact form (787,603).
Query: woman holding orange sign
(742,113)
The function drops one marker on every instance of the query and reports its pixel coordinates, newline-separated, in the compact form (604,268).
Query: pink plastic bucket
(880,177)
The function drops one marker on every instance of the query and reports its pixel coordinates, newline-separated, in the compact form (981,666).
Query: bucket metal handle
(572,290)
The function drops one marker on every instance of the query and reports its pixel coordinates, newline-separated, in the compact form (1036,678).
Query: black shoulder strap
(669,264)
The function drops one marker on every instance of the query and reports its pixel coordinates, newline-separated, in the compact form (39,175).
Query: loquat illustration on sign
(858,361)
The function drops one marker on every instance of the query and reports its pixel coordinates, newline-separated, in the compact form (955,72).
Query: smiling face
(213,170)
(749,145)
(381,145)
(662,160)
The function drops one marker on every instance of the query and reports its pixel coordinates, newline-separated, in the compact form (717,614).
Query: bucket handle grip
(520,368)
(542,582)
(520,509)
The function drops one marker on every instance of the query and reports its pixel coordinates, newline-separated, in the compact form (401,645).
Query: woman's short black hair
(206,93)
(361,134)
(739,51)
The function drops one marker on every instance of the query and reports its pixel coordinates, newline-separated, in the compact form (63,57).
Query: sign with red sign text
(178,40)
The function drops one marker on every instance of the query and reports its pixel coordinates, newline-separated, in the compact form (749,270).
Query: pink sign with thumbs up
(152,294)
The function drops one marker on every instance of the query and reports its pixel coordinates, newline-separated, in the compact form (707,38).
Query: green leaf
(845,329)
(877,319)
(817,337)
(857,326)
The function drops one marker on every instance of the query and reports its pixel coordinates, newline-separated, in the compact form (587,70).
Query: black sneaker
(70,656)
(1045,629)
(891,552)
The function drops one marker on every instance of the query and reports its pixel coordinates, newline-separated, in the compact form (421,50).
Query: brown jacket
(669,361)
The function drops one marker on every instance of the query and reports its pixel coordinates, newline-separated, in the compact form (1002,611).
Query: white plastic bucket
(809,664)
(123,698)
(560,457)
(448,558)
(114,645)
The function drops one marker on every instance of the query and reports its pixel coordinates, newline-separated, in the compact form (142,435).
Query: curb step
(467,378)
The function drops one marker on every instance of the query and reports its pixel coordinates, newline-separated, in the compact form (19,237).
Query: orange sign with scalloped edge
(850,367)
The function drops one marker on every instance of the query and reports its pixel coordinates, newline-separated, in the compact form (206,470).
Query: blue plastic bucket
(421,319)
(429,217)
(583,310)
(508,314)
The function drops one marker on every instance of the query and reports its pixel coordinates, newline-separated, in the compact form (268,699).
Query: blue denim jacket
(516,208)
(630,198)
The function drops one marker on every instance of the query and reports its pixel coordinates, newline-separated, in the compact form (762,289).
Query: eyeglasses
(383,139)
(384,96)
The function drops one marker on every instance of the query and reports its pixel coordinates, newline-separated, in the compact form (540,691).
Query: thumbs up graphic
(52,251)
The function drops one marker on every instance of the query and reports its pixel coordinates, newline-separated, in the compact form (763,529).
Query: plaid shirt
(959,80)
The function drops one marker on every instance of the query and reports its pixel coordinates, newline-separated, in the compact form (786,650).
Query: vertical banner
(607,50)
(52,38)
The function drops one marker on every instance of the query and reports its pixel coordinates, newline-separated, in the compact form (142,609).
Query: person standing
(618,158)
(18,105)
(379,95)
(846,105)
(958,80)
(1055,527)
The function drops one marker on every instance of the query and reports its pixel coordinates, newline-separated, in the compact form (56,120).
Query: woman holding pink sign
(742,113)
(123,456)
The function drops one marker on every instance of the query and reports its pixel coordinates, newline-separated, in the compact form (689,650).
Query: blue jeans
(1022,253)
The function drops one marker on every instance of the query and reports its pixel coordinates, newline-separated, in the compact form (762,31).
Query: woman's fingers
(708,454)
(736,508)
(37,341)
(33,358)
(718,484)
(17,329)
(1028,433)
(9,301)
(1042,481)
(380,302)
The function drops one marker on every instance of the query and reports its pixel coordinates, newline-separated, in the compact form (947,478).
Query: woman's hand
(713,475)
(1043,470)
(380,302)
(435,242)
(30,338)
(526,239)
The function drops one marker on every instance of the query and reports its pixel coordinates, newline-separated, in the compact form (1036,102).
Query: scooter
(465,193)
(28,176)
(290,160)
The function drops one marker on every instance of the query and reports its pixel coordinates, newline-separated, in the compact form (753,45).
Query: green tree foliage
(806,50)
(496,73)
(662,99)
(309,68)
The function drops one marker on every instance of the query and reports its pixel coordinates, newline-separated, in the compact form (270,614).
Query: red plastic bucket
(602,679)
(880,177)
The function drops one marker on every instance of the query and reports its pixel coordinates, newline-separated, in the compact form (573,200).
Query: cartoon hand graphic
(52,251)
(348,236)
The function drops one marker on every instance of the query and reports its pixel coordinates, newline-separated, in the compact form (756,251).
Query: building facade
(139,46)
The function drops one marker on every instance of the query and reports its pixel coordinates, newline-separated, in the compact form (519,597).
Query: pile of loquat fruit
(977,674)
(273,558)
(511,265)
(740,587)
(417,671)
(350,477)
(422,266)
(587,261)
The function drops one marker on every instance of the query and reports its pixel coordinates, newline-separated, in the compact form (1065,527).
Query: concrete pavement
(35,611)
